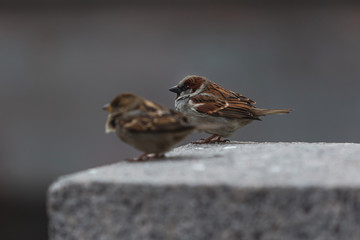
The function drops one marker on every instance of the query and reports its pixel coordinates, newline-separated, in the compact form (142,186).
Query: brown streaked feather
(217,101)
(264,112)
(194,82)
(154,122)
(136,114)
(128,101)
(149,106)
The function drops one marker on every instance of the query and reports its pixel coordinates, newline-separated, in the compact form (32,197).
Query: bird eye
(184,88)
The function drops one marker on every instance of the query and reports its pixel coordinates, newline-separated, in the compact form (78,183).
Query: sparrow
(145,125)
(206,102)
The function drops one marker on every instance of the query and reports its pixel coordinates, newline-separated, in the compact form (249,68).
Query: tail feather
(264,112)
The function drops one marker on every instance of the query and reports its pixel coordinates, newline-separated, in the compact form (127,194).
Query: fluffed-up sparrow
(205,102)
(145,125)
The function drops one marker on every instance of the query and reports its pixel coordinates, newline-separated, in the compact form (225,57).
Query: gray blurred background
(61,61)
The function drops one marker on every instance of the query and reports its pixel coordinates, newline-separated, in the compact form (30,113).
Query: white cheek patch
(185,94)
(108,127)
(198,91)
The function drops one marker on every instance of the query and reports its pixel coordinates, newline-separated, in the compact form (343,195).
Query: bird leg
(211,140)
(220,140)
(204,141)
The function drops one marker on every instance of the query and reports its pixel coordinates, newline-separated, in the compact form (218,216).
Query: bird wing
(160,121)
(219,102)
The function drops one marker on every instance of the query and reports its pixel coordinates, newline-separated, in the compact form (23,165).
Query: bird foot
(146,156)
(211,140)
(220,141)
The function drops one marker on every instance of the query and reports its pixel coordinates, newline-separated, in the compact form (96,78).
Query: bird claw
(146,156)
(211,140)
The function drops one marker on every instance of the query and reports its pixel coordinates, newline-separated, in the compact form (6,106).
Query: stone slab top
(238,164)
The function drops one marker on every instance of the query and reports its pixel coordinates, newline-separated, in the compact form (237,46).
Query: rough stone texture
(278,191)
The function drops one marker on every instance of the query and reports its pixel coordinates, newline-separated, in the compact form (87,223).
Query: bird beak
(107,107)
(175,89)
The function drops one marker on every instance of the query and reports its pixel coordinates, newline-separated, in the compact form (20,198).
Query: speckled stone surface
(227,191)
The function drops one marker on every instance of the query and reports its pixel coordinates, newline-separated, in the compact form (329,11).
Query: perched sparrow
(145,125)
(206,102)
